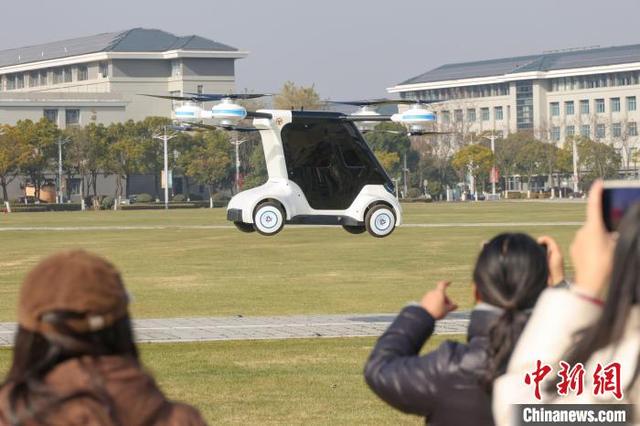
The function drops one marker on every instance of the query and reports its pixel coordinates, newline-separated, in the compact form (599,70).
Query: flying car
(320,169)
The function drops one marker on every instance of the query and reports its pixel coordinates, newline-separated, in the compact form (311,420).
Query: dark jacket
(443,385)
(96,384)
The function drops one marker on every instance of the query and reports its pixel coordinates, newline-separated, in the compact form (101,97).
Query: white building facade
(591,92)
(100,78)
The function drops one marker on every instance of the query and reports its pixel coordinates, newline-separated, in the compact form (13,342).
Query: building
(592,92)
(99,78)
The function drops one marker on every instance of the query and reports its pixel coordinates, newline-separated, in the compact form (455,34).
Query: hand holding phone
(593,246)
(617,197)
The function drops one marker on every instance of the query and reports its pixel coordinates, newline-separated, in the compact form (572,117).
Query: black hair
(35,355)
(623,294)
(511,273)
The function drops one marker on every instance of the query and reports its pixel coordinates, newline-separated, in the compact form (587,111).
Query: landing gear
(380,221)
(245,227)
(354,229)
(268,218)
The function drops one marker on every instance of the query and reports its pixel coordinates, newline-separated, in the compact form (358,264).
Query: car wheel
(268,218)
(380,221)
(245,227)
(354,229)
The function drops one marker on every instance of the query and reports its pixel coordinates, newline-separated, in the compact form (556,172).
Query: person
(452,384)
(597,332)
(74,359)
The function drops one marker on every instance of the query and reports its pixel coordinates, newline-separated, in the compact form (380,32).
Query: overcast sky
(347,48)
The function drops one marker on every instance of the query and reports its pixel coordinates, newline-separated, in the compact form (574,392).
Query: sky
(347,49)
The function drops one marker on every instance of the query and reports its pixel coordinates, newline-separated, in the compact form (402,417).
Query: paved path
(162,227)
(261,328)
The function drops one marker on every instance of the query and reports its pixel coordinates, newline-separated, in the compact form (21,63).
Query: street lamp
(575,164)
(237,144)
(165,137)
(493,138)
(60,196)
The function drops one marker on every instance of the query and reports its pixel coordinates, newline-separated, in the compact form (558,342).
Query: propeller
(399,132)
(214,127)
(206,97)
(381,101)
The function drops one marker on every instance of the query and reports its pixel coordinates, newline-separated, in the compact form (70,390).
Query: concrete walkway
(262,328)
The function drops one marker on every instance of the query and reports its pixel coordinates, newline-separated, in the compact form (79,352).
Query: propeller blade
(215,127)
(372,102)
(173,98)
(220,96)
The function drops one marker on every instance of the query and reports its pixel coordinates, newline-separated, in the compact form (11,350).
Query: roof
(133,40)
(541,62)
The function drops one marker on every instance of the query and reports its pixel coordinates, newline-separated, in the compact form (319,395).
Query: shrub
(220,197)
(179,198)
(107,203)
(515,195)
(413,193)
(144,198)
(195,197)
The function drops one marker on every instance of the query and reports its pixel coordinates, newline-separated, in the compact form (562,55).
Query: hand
(592,248)
(555,260)
(436,301)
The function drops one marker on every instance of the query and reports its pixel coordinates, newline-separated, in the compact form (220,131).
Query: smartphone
(618,196)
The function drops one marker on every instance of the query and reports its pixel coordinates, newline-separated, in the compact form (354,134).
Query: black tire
(245,227)
(354,229)
(268,218)
(380,221)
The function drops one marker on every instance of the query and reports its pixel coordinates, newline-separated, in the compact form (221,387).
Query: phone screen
(615,203)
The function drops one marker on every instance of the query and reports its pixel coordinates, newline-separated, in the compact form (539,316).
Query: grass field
(206,272)
(315,381)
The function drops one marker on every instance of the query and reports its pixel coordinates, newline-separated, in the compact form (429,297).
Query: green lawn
(206,272)
(310,381)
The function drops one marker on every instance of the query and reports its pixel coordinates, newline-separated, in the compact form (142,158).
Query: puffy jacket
(548,336)
(443,385)
(98,383)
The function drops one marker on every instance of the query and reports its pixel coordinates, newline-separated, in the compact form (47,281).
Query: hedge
(172,205)
(43,207)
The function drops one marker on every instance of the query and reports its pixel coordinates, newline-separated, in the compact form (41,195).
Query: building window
(555,133)
(584,106)
(20,81)
(600,131)
(568,108)
(632,128)
(497,113)
(615,104)
(51,115)
(43,78)
(484,114)
(83,73)
(570,131)
(72,117)
(68,77)
(446,117)
(34,78)
(176,68)
(200,89)
(471,114)
(554,109)
(103,69)
(11,82)
(585,131)
(457,115)
(57,76)
(631,103)
(599,105)
(616,130)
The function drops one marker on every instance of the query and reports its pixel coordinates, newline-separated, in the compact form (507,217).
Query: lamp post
(165,137)
(493,138)
(237,144)
(575,164)
(60,195)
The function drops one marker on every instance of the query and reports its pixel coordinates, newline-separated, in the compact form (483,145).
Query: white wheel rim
(268,219)
(382,222)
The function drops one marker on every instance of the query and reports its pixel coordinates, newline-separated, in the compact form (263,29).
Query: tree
(508,152)
(389,160)
(40,144)
(388,137)
(125,153)
(531,158)
(475,160)
(12,154)
(297,97)
(210,162)
(597,160)
(257,169)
